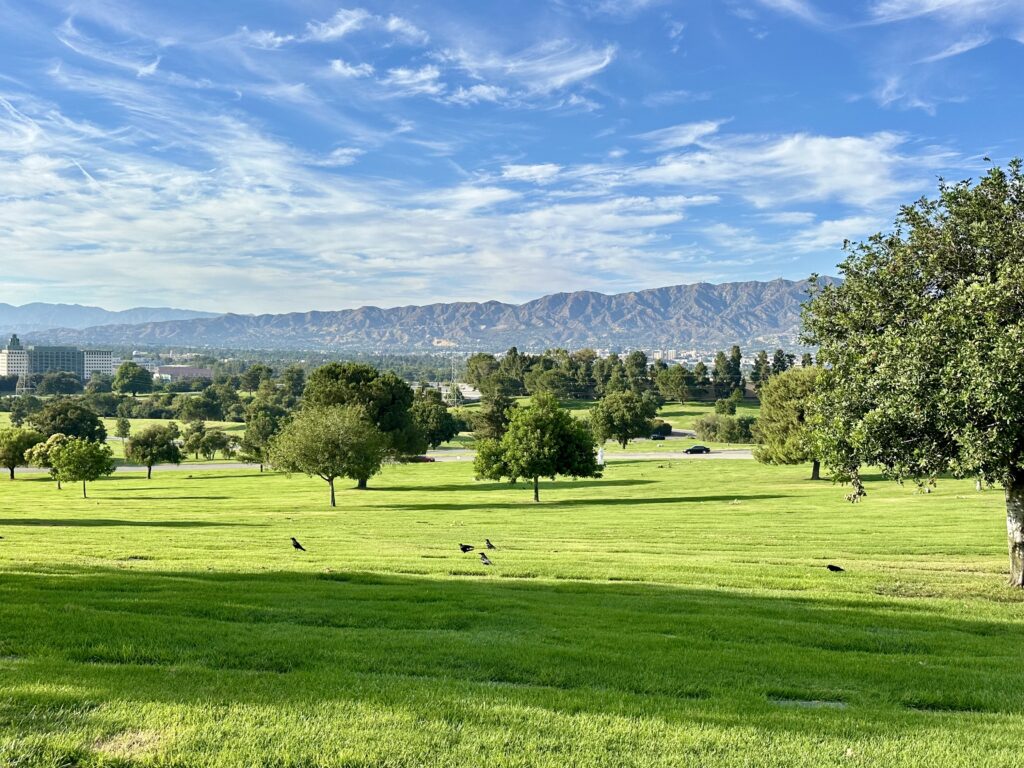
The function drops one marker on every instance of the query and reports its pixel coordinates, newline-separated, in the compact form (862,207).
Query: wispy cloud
(344,69)
(541,69)
(681,135)
(410,81)
(802,9)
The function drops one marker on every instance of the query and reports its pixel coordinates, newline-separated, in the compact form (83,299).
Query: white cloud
(957,48)
(888,11)
(682,135)
(802,9)
(478,93)
(407,81)
(340,157)
(342,68)
(540,173)
(406,29)
(541,69)
(343,22)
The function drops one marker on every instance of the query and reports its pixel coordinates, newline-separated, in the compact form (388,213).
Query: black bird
(485,559)
(295,543)
(489,545)
(466,547)
(835,568)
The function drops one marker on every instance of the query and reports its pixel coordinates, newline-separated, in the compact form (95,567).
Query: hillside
(701,315)
(40,316)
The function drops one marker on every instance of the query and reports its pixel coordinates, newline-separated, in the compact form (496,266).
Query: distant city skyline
(266,157)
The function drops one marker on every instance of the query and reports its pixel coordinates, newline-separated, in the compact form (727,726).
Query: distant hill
(40,317)
(701,315)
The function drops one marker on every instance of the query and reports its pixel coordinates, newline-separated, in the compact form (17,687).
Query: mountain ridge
(679,316)
(41,316)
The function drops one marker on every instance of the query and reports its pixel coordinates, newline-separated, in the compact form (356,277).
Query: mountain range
(40,316)
(700,315)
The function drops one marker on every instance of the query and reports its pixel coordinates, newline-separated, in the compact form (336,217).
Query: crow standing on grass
(295,543)
(466,547)
(835,568)
(485,559)
(489,545)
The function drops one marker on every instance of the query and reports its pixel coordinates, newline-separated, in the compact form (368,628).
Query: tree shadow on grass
(489,486)
(164,498)
(550,502)
(107,522)
(457,655)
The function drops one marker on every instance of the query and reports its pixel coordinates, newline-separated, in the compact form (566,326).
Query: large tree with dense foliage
(543,440)
(385,398)
(674,383)
(263,420)
(41,454)
(922,347)
(783,427)
(132,378)
(59,383)
(331,442)
(15,442)
(432,418)
(157,444)
(71,417)
(621,416)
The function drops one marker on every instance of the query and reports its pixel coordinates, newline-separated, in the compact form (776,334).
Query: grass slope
(672,614)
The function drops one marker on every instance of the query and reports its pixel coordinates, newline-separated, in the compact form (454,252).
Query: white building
(14,360)
(99,361)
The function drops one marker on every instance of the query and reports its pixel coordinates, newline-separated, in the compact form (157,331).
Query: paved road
(451,454)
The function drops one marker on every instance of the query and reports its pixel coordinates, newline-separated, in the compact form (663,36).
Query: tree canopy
(331,442)
(157,444)
(543,440)
(621,416)
(922,347)
(78,460)
(432,418)
(783,427)
(14,443)
(71,417)
(132,377)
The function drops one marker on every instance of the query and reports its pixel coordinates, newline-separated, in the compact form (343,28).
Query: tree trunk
(1015,528)
(816,470)
(331,483)
(58,485)
(261,467)
(361,484)
(149,472)
(536,489)
(83,490)
(11,469)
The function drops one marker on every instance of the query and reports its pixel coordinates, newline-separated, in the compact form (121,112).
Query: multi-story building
(16,360)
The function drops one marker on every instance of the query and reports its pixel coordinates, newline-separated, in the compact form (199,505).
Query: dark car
(657,436)
(420,459)
(697,449)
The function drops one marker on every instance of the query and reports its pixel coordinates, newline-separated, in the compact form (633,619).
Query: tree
(15,442)
(218,440)
(99,383)
(735,368)
(922,347)
(432,418)
(701,379)
(157,444)
(23,408)
(192,437)
(621,416)
(762,370)
(807,360)
(41,454)
(781,361)
(132,377)
(783,428)
(385,399)
(79,460)
(293,379)
(543,440)
(263,420)
(331,442)
(480,367)
(59,383)
(69,417)
(492,419)
(674,383)
(254,376)
(123,428)
(721,374)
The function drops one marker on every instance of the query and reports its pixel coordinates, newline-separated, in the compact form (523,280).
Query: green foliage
(59,383)
(132,378)
(661,427)
(542,440)
(725,405)
(216,441)
(157,444)
(385,399)
(192,437)
(922,346)
(254,376)
(621,416)
(23,407)
(726,429)
(41,454)
(123,428)
(263,420)
(432,418)
(783,429)
(330,442)
(71,417)
(15,442)
(79,460)
(674,383)
(99,383)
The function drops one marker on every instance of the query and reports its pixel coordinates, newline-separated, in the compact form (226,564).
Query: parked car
(657,436)
(697,449)
(420,459)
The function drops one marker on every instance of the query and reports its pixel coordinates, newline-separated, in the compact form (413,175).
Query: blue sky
(280,156)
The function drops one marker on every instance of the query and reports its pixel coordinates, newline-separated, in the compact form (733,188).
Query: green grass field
(669,614)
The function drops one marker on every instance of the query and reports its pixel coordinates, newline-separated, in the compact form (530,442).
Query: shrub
(726,429)
(725,406)
(661,427)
